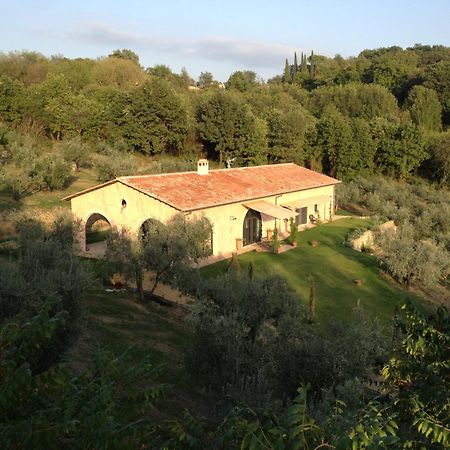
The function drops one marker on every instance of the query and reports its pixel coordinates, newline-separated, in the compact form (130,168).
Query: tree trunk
(140,289)
(158,275)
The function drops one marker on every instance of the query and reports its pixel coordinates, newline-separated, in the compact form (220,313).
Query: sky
(220,37)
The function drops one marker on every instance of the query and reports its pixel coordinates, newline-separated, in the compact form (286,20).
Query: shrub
(293,231)
(75,152)
(114,165)
(57,408)
(275,240)
(50,172)
(352,235)
(412,261)
(45,269)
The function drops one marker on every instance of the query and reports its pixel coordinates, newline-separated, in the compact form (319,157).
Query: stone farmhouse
(243,205)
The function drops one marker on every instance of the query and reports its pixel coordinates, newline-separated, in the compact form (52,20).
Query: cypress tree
(295,63)
(312,67)
(287,72)
(250,270)
(312,301)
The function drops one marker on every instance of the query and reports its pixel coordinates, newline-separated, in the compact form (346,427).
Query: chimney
(202,167)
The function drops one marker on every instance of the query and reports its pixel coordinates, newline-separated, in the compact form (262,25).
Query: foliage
(421,204)
(170,249)
(206,80)
(123,255)
(50,172)
(162,121)
(45,269)
(424,107)
(75,151)
(286,134)
(241,80)
(229,129)
(235,324)
(167,251)
(114,161)
(125,54)
(355,100)
(312,301)
(293,231)
(411,261)
(439,165)
(410,409)
(362,105)
(54,408)
(275,241)
(418,375)
(251,342)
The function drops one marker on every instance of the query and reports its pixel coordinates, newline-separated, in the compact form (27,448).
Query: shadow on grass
(334,267)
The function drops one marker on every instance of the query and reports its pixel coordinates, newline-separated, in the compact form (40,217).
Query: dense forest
(385,111)
(258,364)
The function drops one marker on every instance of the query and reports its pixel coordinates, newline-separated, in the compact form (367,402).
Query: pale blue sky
(220,37)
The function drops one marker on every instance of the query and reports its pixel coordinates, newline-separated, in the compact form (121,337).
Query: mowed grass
(47,200)
(334,267)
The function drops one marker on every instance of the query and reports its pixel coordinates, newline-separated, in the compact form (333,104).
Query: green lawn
(334,268)
(344,212)
(47,200)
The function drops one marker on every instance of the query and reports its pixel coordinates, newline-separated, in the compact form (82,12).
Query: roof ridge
(212,170)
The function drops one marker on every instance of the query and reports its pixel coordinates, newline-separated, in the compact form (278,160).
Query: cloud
(216,48)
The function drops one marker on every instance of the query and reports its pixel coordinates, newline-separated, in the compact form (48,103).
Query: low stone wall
(366,240)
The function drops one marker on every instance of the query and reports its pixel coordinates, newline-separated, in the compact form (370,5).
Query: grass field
(47,200)
(116,322)
(334,268)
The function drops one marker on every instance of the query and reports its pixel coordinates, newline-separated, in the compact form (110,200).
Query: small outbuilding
(243,205)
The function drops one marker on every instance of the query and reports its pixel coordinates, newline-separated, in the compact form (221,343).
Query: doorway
(252,230)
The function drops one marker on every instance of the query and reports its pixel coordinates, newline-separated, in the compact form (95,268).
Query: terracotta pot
(239,243)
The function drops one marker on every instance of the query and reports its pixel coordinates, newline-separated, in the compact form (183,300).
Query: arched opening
(148,228)
(97,230)
(252,229)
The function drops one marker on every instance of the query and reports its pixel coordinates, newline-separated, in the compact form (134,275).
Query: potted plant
(293,232)
(275,241)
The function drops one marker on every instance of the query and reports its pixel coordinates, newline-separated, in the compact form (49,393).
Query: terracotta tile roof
(188,191)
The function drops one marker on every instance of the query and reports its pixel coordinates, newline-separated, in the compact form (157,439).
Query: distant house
(243,205)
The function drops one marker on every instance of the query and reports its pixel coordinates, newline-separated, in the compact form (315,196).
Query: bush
(235,325)
(411,261)
(50,172)
(114,165)
(45,269)
(75,152)
(352,235)
(57,408)
(251,340)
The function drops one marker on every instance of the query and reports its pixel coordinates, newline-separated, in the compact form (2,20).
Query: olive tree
(166,251)
(410,260)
